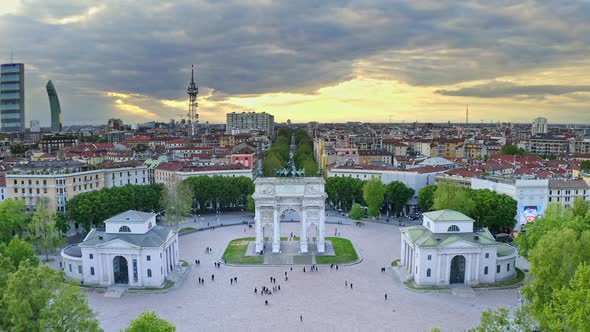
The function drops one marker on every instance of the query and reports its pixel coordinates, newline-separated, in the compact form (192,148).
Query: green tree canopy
(343,192)
(509,149)
(36,298)
(553,263)
(499,320)
(149,321)
(585,165)
(356,212)
(449,195)
(17,251)
(43,230)
(570,308)
(492,210)
(178,202)
(374,195)
(398,195)
(426,197)
(13,219)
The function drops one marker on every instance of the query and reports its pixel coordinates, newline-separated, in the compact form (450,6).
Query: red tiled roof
(2,180)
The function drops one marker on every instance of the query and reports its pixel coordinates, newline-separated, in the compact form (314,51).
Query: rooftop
(155,237)
(447,215)
(423,237)
(131,216)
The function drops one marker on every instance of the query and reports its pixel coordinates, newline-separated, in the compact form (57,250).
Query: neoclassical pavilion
(275,195)
(446,249)
(131,250)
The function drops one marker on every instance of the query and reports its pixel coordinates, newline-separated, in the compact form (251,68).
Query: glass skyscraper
(12,97)
(55,108)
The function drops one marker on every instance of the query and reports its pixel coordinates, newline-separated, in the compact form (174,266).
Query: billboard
(530,214)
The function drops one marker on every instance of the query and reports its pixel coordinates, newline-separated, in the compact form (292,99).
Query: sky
(307,60)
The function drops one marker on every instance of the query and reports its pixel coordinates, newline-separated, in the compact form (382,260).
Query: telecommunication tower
(192,91)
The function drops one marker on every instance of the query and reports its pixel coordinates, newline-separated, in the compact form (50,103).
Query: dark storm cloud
(253,47)
(508,89)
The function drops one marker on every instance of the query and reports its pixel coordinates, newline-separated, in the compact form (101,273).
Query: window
(487,255)
(149,258)
(453,228)
(428,272)
(429,257)
(508,267)
(497,268)
(70,267)
(91,271)
(485,270)
(124,229)
(149,273)
(80,269)
(91,256)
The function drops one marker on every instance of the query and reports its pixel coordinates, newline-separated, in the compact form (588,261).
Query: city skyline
(329,62)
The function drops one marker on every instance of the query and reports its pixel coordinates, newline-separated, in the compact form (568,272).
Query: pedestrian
(351,285)
(231,281)
(255,290)
(195,262)
(336,267)
(345,283)
(236,280)
(286,278)
(304,269)
(291,268)
(285,273)
(331,266)
(301,318)
(212,277)
(279,287)
(266,302)
(385,296)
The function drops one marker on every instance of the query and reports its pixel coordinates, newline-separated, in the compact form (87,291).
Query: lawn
(343,249)
(235,253)
(519,277)
(186,230)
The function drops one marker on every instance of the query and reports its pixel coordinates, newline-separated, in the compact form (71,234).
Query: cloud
(498,89)
(260,48)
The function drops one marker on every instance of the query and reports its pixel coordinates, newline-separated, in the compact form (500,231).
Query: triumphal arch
(275,195)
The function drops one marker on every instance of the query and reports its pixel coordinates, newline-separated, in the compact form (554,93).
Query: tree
(509,150)
(177,201)
(553,263)
(18,250)
(343,192)
(36,299)
(13,219)
(426,197)
(149,321)
(492,210)
(450,196)
(357,212)
(250,204)
(43,230)
(585,165)
(374,195)
(499,321)
(570,309)
(398,195)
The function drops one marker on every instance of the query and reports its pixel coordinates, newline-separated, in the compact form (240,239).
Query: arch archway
(120,270)
(285,199)
(457,270)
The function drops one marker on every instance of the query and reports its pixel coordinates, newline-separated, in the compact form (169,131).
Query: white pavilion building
(131,250)
(446,249)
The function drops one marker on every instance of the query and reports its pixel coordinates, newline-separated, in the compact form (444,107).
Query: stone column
(467,269)
(321,243)
(276,238)
(476,276)
(259,233)
(303,235)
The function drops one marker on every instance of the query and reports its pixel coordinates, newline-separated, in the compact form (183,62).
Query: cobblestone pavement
(320,297)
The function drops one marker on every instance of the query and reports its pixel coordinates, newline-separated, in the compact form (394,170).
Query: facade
(131,250)
(115,124)
(565,191)
(548,145)
(539,127)
(446,249)
(35,126)
(12,97)
(244,122)
(61,180)
(54,143)
(274,196)
(532,196)
(169,172)
(54,107)
(245,155)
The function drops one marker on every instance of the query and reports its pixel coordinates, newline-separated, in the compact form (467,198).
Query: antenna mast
(192,91)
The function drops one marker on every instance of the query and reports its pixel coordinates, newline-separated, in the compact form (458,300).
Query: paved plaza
(320,297)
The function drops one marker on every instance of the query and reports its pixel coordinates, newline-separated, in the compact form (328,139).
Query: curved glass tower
(55,108)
